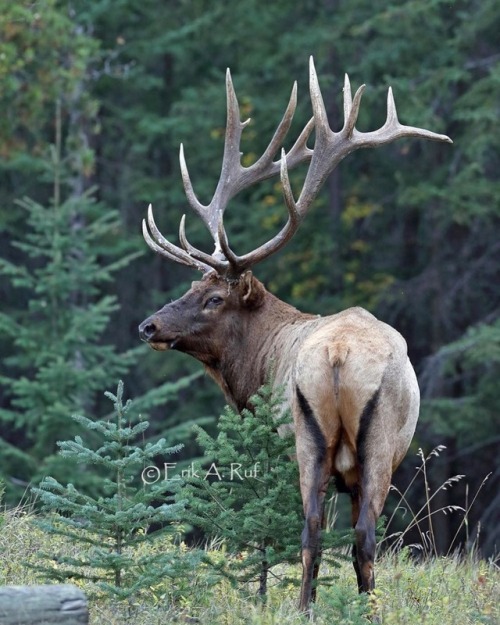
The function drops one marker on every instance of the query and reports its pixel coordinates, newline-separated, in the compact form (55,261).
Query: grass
(422,520)
(434,591)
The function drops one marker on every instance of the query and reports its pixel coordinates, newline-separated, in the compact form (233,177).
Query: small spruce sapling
(112,547)
(249,495)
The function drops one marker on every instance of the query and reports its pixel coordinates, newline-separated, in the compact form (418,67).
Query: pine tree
(57,360)
(249,494)
(111,545)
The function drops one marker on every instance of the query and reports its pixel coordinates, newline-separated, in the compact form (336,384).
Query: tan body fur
(331,368)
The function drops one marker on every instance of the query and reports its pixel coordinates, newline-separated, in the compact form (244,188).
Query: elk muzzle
(150,331)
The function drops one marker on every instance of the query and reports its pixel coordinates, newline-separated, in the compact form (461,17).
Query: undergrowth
(435,591)
(428,590)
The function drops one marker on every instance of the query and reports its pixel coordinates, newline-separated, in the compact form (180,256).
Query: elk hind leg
(315,471)
(314,498)
(364,548)
(317,562)
(370,492)
(353,492)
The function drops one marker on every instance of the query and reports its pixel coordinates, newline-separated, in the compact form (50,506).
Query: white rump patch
(344,460)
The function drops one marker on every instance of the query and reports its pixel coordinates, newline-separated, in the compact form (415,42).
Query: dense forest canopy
(96,98)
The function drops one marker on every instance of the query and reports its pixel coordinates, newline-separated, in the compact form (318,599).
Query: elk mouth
(163,346)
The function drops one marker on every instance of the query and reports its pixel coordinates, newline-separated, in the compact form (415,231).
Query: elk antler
(234,178)
(329,149)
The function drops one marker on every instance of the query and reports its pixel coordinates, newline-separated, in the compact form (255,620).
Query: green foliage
(112,545)
(44,56)
(249,496)
(473,363)
(439,591)
(409,230)
(346,606)
(57,360)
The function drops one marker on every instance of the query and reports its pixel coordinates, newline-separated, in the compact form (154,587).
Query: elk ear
(252,291)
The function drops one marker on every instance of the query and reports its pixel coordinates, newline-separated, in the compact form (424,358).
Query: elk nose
(147,330)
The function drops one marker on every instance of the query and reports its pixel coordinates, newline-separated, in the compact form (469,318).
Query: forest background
(96,98)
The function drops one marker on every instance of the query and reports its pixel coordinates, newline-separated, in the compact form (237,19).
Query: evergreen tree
(112,546)
(56,360)
(57,270)
(249,494)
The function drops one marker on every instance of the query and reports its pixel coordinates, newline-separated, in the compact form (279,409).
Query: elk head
(206,318)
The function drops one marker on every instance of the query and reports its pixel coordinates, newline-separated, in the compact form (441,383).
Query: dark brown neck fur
(251,347)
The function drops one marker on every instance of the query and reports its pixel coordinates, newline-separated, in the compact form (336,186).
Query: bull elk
(347,377)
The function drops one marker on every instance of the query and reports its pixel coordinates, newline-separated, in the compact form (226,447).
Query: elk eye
(214,301)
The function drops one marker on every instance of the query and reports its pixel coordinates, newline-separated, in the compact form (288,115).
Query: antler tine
(318,106)
(158,243)
(351,107)
(392,114)
(294,216)
(240,263)
(264,167)
(299,152)
(347,96)
(219,264)
(195,204)
(231,166)
(393,129)
(209,214)
(324,136)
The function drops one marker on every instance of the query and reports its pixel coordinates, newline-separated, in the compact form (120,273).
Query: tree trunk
(263,580)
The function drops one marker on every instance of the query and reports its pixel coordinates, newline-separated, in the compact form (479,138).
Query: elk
(347,377)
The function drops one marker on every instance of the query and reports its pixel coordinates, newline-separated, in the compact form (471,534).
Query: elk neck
(265,341)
